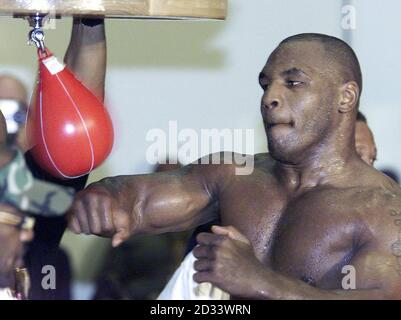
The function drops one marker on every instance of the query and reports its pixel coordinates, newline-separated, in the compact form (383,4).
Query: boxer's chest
(310,238)
(315,238)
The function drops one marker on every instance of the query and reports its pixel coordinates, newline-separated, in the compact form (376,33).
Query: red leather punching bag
(69,128)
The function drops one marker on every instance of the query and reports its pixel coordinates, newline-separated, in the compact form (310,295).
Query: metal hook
(36,35)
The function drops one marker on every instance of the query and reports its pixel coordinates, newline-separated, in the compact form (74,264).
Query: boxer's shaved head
(311,85)
(339,54)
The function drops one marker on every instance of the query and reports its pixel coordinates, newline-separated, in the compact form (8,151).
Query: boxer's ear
(349,97)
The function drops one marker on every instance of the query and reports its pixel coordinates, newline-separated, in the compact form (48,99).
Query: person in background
(16,231)
(14,106)
(21,197)
(364,140)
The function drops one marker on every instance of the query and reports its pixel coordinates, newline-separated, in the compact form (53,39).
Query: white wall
(204,75)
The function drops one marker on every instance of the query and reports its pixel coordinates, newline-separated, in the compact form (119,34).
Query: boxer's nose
(271,98)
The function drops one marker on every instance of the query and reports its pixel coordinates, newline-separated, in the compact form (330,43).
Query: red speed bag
(69,129)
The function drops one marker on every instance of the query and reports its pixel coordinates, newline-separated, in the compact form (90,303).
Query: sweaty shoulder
(378,203)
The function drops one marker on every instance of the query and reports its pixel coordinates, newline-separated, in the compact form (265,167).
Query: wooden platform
(212,9)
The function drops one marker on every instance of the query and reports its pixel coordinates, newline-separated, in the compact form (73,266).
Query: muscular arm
(86,56)
(151,204)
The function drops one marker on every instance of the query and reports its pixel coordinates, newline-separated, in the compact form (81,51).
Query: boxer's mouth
(277,124)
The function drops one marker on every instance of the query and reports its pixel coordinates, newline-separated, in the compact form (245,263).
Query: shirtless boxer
(181,285)
(310,207)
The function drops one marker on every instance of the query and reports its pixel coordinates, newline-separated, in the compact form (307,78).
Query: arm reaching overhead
(155,203)
(86,55)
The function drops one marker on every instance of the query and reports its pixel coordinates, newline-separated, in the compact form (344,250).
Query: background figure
(15,228)
(366,146)
(364,140)
(14,236)
(43,250)
(14,105)
(141,266)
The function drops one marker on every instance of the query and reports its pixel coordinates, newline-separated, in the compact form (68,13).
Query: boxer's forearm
(170,208)
(160,203)
(86,56)
(122,206)
(175,217)
(285,288)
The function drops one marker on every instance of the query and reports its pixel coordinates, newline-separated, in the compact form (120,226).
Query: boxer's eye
(293,83)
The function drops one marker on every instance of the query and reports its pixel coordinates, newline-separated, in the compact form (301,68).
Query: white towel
(182,286)
(6,294)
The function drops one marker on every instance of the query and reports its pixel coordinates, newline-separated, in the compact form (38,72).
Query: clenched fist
(226,259)
(104,209)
